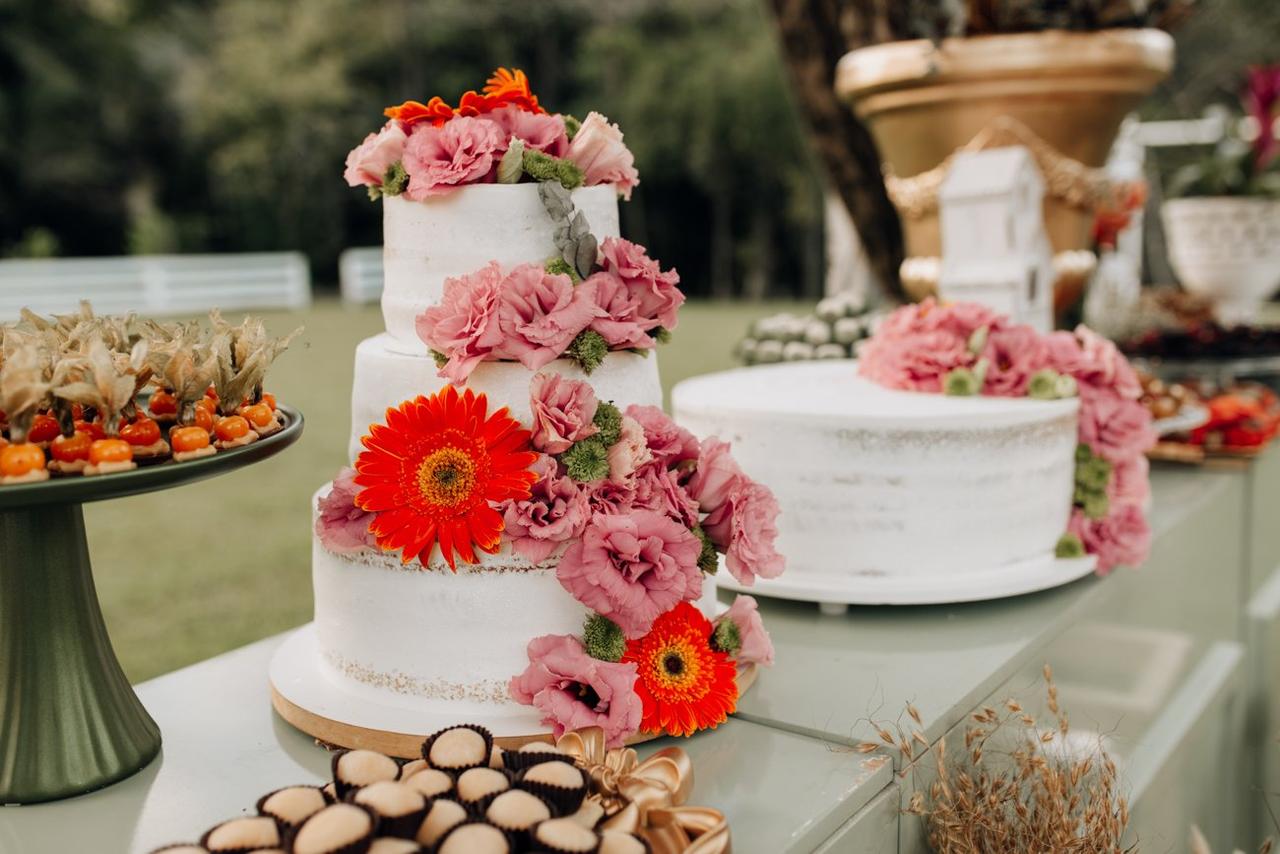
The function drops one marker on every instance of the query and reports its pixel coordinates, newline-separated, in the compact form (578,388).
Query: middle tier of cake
(385,378)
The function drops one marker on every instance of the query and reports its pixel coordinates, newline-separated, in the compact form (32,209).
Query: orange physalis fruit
(92,428)
(186,439)
(142,432)
(684,684)
(44,428)
(71,448)
(20,459)
(204,415)
(434,470)
(258,414)
(269,399)
(110,451)
(163,403)
(232,427)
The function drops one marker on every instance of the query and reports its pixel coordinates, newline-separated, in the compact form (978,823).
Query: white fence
(360,275)
(156,284)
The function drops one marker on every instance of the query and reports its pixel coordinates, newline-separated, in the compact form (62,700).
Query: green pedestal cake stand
(69,720)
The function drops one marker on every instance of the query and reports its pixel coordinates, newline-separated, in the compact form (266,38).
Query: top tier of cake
(426,242)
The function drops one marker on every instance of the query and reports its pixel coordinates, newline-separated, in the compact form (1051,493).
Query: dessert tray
(72,721)
(835,594)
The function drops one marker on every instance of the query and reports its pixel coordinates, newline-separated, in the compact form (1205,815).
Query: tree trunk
(814,35)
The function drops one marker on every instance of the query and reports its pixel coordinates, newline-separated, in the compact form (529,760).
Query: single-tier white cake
(876,484)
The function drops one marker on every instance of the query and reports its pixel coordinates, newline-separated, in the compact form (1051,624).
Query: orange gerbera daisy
(684,684)
(410,113)
(432,472)
(505,87)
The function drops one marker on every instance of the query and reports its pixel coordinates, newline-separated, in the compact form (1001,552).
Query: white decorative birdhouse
(994,247)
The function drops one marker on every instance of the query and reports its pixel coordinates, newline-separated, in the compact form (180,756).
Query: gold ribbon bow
(647,798)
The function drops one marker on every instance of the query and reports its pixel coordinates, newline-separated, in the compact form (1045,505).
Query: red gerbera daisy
(505,87)
(433,470)
(684,684)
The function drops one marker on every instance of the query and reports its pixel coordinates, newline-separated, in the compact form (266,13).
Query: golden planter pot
(1062,94)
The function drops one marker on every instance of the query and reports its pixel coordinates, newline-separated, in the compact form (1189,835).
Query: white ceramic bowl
(1226,249)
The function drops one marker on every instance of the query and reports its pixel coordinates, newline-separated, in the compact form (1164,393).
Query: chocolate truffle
(458,747)
(475,839)
(431,783)
(293,805)
(565,834)
(560,774)
(355,769)
(412,767)
(332,829)
(443,816)
(387,845)
(399,806)
(517,810)
(242,834)
(480,782)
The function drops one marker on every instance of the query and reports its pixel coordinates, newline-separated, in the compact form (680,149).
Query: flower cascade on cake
(968,349)
(627,510)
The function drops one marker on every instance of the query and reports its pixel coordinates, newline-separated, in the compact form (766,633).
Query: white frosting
(878,482)
(453,235)
(404,635)
(385,378)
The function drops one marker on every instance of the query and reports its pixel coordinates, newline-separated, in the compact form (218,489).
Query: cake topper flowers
(968,349)
(501,134)
(432,470)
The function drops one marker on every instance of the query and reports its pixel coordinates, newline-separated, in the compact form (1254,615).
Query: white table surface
(224,747)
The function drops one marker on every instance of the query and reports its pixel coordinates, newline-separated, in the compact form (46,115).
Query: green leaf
(511,166)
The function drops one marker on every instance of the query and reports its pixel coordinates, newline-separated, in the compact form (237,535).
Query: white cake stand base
(314,701)
(835,593)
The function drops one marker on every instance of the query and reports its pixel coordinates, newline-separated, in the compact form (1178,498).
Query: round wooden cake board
(315,703)
(835,593)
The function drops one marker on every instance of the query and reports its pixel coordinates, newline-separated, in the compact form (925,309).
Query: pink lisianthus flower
(716,477)
(598,150)
(669,443)
(1013,354)
(756,647)
(574,690)
(1121,538)
(343,528)
(563,412)
(1130,482)
(464,326)
(607,498)
(657,296)
(1065,354)
(964,318)
(540,314)
(539,131)
(368,162)
(1105,365)
(745,528)
(658,488)
(629,453)
(461,151)
(619,320)
(1115,427)
(555,511)
(632,568)
(914,362)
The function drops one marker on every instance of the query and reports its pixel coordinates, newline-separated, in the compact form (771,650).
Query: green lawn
(194,571)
